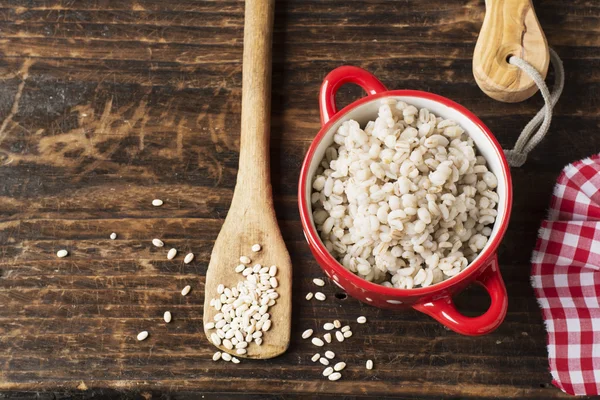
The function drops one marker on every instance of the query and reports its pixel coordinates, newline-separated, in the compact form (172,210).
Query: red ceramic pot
(435,300)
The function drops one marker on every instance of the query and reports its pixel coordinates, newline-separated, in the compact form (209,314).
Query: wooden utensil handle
(510,27)
(254,163)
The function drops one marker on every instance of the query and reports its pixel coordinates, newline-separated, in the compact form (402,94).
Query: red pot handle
(340,76)
(444,311)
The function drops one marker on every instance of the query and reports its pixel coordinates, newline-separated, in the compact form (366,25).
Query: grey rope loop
(528,138)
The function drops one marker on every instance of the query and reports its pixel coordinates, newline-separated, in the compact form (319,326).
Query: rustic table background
(107,104)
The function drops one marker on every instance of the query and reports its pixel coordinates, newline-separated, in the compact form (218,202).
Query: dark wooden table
(108,104)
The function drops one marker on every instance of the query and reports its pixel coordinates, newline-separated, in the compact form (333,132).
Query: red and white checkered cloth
(566,278)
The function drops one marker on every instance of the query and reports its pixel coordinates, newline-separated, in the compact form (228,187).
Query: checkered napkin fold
(566,278)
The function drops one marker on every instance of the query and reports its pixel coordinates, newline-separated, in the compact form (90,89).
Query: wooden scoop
(251,218)
(510,27)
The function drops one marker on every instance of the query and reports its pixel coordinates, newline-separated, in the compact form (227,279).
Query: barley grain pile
(405,202)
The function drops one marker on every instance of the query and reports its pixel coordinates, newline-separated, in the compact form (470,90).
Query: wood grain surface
(510,28)
(108,104)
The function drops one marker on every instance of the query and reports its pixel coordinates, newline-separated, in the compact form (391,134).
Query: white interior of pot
(368,112)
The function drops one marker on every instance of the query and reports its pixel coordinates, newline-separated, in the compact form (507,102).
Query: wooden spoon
(251,218)
(510,27)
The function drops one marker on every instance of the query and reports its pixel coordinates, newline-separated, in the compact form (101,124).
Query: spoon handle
(254,176)
(510,27)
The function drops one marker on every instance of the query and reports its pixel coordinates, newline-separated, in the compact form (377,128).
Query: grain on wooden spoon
(251,218)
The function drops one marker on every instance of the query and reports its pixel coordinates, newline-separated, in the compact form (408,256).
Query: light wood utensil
(251,218)
(510,27)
